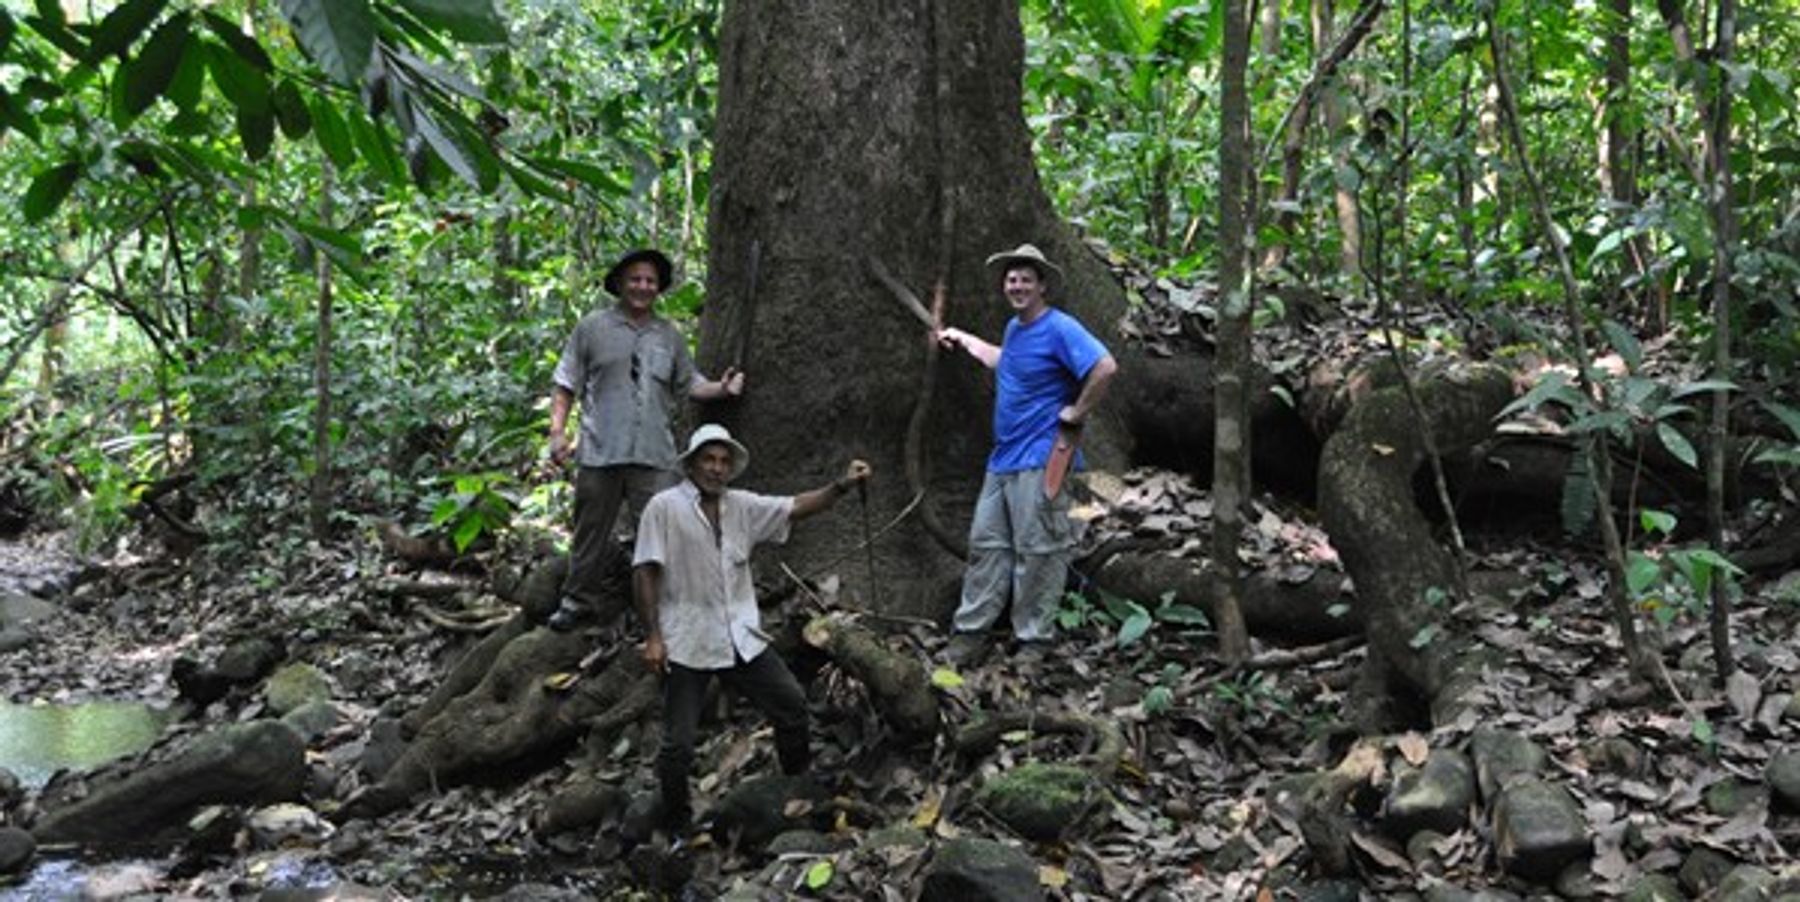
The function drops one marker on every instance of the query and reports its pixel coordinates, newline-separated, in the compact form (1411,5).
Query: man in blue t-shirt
(1049,374)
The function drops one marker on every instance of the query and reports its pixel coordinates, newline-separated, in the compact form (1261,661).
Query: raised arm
(988,354)
(730,384)
(808,503)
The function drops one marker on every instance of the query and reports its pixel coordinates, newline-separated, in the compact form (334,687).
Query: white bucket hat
(713,432)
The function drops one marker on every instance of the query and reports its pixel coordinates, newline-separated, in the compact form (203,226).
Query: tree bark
(898,137)
(1231,438)
(320,507)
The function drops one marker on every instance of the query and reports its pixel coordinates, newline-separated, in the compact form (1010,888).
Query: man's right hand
(560,449)
(656,655)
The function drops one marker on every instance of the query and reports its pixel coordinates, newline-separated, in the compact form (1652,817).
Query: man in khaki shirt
(697,602)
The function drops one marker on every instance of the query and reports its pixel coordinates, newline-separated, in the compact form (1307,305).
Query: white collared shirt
(707,612)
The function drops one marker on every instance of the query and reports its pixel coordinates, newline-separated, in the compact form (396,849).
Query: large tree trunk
(847,132)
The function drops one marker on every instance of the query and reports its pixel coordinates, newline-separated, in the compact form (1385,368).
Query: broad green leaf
(333,134)
(469,21)
(446,148)
(1625,343)
(1703,731)
(1134,627)
(121,27)
(257,131)
(1655,521)
(1424,636)
(245,46)
(190,77)
(48,190)
(445,509)
(1788,416)
(1788,456)
(1716,561)
(1677,444)
(13,116)
(373,146)
(149,73)
(437,76)
(1610,242)
(1703,385)
(819,875)
(529,182)
(1610,420)
(466,533)
(1641,572)
(339,35)
(1185,614)
(243,84)
(1551,382)
(290,111)
(945,678)
(585,173)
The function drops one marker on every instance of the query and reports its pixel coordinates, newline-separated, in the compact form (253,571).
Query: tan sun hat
(713,432)
(1026,253)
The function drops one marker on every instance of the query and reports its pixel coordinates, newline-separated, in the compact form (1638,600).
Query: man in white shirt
(697,601)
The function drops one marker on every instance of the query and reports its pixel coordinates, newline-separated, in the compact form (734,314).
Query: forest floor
(1191,813)
(1672,789)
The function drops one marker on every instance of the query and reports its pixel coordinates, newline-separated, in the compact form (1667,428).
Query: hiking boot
(569,614)
(966,649)
(1030,654)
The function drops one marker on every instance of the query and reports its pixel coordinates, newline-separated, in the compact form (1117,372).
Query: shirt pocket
(659,363)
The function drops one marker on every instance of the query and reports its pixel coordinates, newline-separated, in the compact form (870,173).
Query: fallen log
(983,736)
(897,683)
(1315,610)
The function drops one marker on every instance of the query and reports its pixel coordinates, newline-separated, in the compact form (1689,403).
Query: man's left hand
(732,381)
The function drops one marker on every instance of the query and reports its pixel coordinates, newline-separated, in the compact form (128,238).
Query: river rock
(1434,796)
(1731,797)
(1538,830)
(1655,888)
(18,611)
(1500,755)
(295,686)
(1615,755)
(1783,776)
(804,842)
(1746,883)
(1041,802)
(981,870)
(16,848)
(581,802)
(387,742)
(252,763)
(280,825)
(313,720)
(248,660)
(12,640)
(1703,869)
(12,792)
(1446,893)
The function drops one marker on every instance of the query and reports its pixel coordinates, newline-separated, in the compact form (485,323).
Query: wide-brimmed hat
(665,270)
(713,432)
(1026,253)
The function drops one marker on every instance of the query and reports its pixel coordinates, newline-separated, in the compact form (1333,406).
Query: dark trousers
(599,493)
(767,683)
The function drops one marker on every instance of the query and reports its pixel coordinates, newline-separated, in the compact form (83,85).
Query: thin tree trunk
(321,477)
(1231,437)
(1599,462)
(1270,14)
(1724,245)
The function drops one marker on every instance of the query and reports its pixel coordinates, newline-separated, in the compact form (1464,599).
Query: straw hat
(713,432)
(1029,254)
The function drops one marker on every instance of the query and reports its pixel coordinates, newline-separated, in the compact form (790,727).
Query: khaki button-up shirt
(707,611)
(629,377)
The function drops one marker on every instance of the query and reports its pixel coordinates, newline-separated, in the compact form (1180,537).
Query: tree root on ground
(983,736)
(1313,611)
(1405,580)
(897,683)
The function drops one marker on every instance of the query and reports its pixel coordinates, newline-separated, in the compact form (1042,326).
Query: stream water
(36,741)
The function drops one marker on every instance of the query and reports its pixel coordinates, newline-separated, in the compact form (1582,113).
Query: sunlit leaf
(819,875)
(945,678)
(1677,444)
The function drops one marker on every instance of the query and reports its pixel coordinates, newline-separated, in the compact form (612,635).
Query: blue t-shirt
(1041,368)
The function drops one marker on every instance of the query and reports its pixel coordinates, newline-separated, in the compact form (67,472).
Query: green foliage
(1132,620)
(476,504)
(1668,580)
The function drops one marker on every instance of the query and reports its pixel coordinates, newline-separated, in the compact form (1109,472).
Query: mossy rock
(295,685)
(1041,801)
